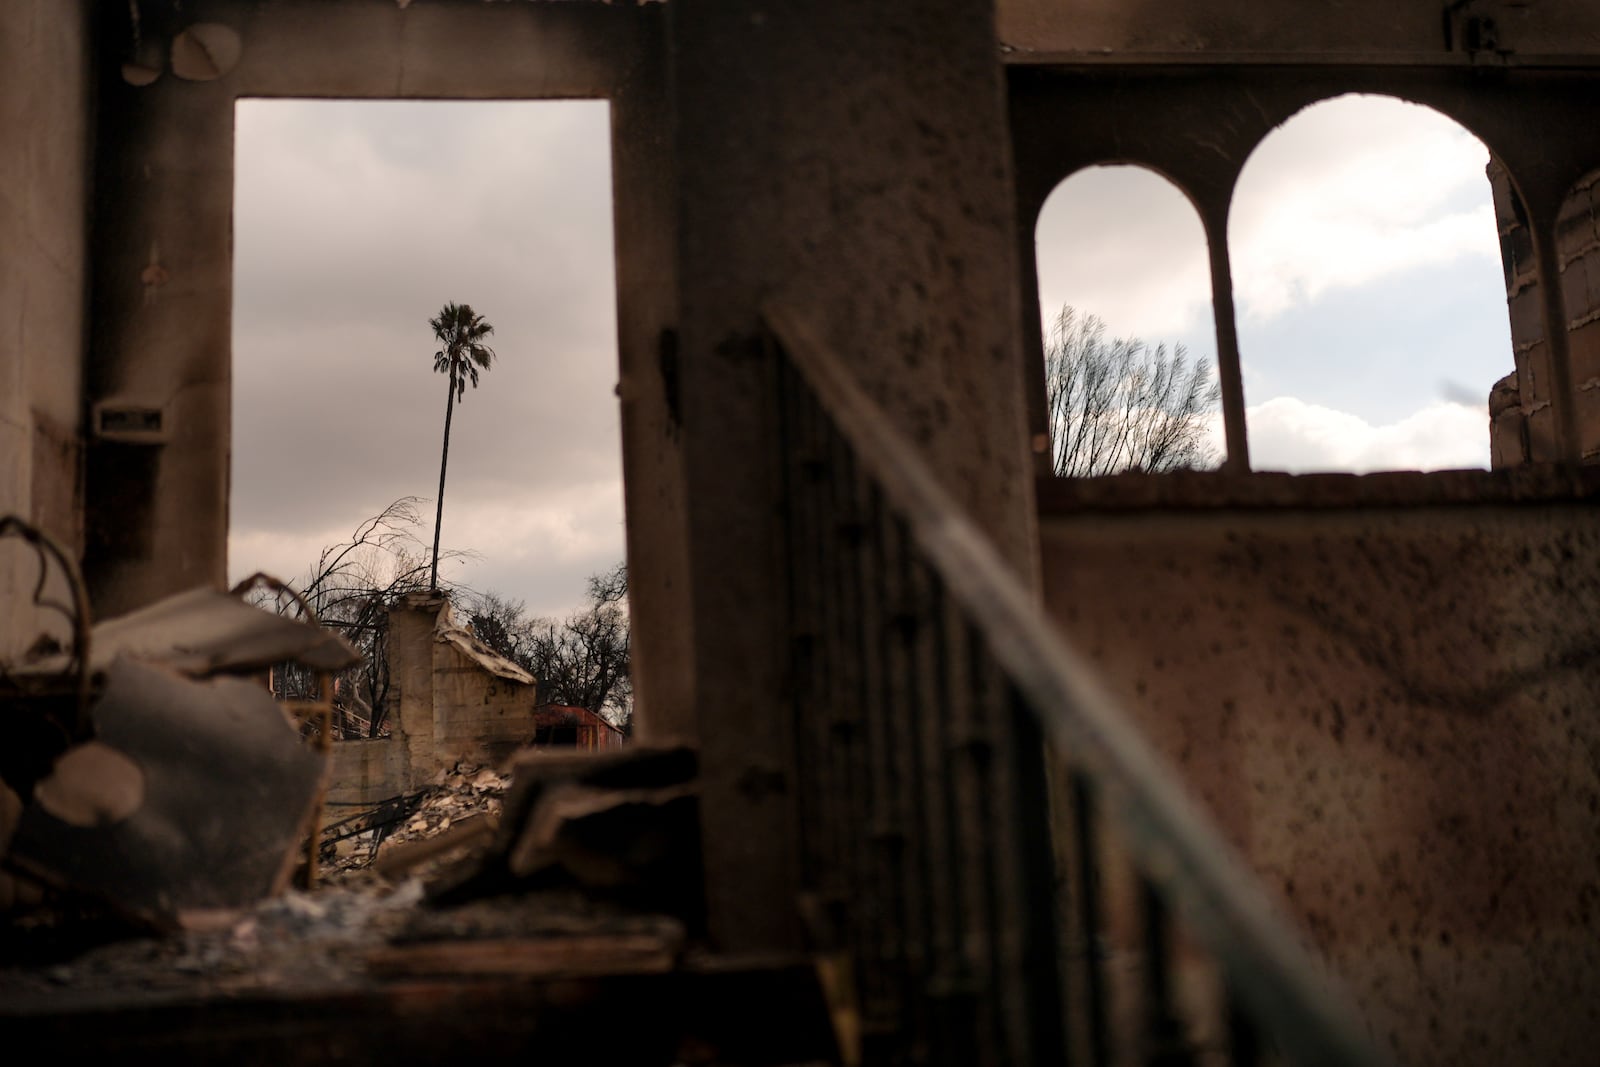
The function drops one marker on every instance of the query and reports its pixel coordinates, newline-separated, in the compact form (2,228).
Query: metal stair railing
(999,864)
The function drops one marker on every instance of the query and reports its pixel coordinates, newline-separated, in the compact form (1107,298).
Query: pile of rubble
(424,830)
(145,766)
(568,863)
(297,939)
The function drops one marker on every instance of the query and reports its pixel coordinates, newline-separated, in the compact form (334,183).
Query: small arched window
(1129,342)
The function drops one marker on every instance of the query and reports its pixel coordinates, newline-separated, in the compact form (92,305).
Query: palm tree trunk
(444,460)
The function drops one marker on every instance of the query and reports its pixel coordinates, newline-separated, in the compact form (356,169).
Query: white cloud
(1124,244)
(1352,190)
(1348,191)
(1287,434)
(537,547)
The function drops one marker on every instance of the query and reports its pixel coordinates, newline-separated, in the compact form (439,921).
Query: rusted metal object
(329,653)
(150,773)
(229,791)
(73,668)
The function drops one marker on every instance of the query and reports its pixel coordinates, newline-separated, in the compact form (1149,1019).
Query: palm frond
(460,332)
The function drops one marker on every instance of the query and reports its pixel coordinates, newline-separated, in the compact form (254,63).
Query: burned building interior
(924,768)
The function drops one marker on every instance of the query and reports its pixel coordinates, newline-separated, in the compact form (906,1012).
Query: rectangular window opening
(362,229)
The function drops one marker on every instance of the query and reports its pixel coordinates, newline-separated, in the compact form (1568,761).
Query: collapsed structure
(452,699)
(832,414)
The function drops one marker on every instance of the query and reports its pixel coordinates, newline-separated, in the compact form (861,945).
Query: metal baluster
(1165,1044)
(917,729)
(895,629)
(802,615)
(1244,1037)
(1040,972)
(981,750)
(863,908)
(956,1011)
(818,719)
(1086,844)
(882,1012)
(832,726)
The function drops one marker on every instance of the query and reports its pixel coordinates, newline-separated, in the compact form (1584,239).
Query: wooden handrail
(1175,847)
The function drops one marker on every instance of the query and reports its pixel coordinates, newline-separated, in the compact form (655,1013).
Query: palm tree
(460,331)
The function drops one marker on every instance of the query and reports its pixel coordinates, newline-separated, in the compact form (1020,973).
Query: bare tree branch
(1120,405)
(582,660)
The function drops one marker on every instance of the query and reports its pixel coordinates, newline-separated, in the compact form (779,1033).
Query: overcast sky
(1372,314)
(354,222)
(1367,282)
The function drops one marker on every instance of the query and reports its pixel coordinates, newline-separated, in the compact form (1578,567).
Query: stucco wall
(44,191)
(445,705)
(1391,711)
(411,679)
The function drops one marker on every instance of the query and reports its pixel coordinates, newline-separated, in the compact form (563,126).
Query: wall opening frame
(1198,120)
(162,283)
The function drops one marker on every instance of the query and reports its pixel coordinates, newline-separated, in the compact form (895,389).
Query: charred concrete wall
(451,700)
(482,709)
(1374,28)
(1389,709)
(45,112)
(1520,407)
(849,160)
(158,512)
(362,774)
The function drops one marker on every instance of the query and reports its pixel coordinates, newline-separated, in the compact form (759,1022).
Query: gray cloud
(354,223)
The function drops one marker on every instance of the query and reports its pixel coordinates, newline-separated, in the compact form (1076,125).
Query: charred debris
(164,844)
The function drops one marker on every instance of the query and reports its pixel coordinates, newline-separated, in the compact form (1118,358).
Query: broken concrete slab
(607,839)
(401,856)
(202,632)
(622,825)
(228,787)
(463,640)
(638,767)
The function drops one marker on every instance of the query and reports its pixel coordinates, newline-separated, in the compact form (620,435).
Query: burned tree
(350,588)
(582,660)
(1120,405)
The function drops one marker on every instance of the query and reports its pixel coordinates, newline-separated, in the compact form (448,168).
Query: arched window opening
(1369,290)
(1130,345)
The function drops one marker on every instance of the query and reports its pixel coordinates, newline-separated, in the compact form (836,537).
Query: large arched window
(1130,348)
(1369,292)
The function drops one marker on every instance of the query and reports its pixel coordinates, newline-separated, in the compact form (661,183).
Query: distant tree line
(581,660)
